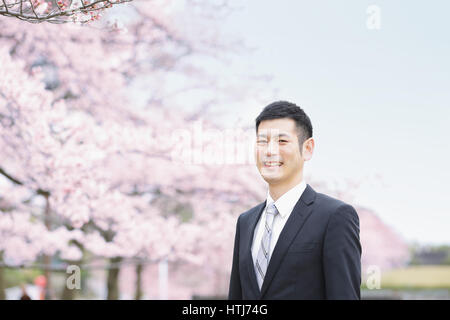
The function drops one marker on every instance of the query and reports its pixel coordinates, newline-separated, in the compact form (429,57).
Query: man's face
(277,151)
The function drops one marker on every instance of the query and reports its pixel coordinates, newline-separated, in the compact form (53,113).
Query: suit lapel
(253,220)
(300,213)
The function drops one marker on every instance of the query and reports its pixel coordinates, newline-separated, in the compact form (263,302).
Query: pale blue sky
(379,100)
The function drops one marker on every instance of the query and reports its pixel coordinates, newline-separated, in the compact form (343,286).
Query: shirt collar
(286,203)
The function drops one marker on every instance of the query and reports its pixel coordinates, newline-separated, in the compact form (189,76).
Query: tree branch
(39,191)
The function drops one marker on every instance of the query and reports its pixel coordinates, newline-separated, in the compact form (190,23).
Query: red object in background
(40,281)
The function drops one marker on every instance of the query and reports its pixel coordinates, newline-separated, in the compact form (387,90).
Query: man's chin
(272,178)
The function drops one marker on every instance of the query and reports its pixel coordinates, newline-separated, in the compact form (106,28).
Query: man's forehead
(273,127)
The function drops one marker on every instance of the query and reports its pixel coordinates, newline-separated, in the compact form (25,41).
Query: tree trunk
(68,294)
(47,259)
(138,293)
(47,272)
(113,279)
(2,280)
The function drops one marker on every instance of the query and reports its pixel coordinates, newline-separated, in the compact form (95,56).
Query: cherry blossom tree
(84,171)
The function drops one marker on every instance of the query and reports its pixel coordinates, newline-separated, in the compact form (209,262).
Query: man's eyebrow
(263,135)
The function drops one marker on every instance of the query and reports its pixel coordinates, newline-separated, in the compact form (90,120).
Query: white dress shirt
(285,204)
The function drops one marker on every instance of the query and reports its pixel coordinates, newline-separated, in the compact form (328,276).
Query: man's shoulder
(332,205)
(323,198)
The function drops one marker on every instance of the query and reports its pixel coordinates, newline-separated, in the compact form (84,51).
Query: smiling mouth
(272,164)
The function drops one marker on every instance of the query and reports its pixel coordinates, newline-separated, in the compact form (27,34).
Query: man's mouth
(272,163)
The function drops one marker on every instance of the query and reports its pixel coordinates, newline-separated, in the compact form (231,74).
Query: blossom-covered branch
(56,11)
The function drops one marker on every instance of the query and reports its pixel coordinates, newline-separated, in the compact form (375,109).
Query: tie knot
(272,209)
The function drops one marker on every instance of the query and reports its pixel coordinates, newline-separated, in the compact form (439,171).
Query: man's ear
(308,149)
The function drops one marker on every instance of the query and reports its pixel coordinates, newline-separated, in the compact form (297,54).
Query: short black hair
(285,109)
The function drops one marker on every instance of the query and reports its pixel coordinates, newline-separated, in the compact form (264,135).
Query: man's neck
(277,190)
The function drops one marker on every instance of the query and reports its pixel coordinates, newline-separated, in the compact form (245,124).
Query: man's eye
(262,141)
(283,141)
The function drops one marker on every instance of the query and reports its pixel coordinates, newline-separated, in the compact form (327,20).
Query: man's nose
(272,148)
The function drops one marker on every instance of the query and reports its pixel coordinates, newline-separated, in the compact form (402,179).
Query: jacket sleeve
(342,255)
(235,290)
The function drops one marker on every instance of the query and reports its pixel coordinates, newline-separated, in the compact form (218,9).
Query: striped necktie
(262,260)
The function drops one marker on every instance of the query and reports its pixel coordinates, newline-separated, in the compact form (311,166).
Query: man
(298,244)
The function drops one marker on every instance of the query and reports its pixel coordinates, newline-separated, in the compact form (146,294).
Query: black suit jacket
(317,255)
